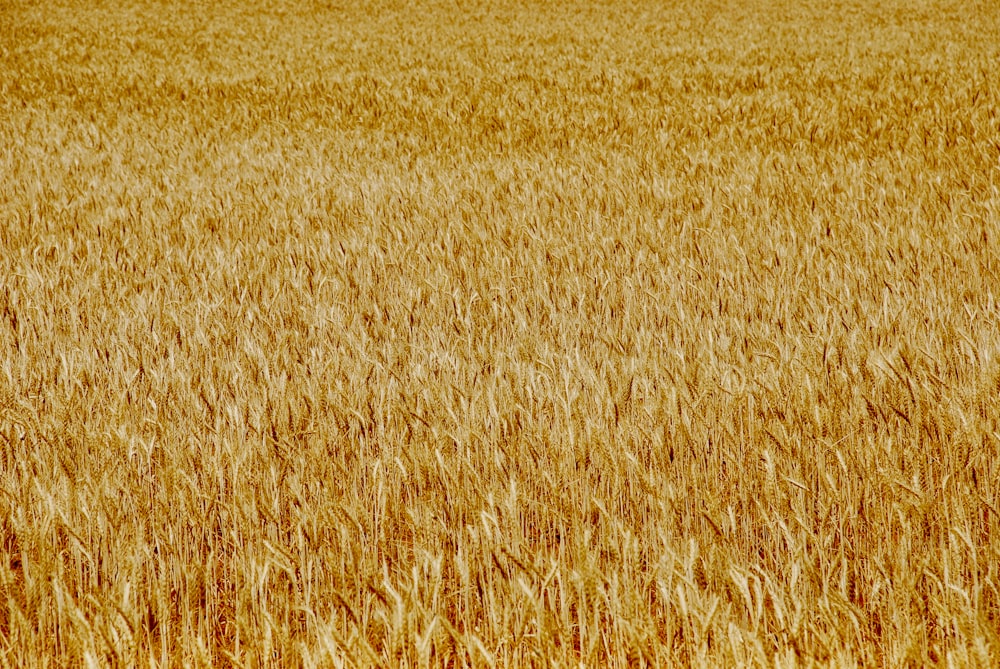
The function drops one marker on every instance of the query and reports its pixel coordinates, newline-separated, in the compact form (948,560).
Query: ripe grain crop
(488,333)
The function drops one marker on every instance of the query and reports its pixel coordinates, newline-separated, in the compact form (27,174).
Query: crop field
(498,334)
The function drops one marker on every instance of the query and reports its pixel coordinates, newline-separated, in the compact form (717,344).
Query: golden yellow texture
(479,333)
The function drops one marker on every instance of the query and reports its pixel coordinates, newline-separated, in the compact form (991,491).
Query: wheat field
(488,333)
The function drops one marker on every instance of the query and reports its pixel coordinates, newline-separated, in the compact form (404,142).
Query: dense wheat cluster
(499,333)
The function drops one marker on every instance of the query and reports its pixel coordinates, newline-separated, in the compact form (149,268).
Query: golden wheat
(499,333)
